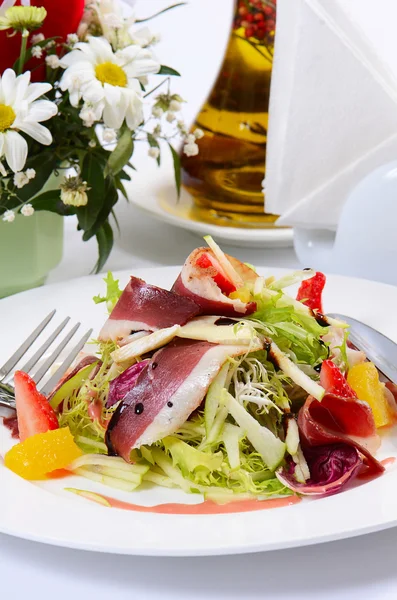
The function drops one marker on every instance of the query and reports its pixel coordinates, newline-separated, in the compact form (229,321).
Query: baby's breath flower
(157,112)
(170,117)
(87,115)
(157,130)
(74,191)
(154,152)
(9,216)
(113,20)
(72,39)
(31,173)
(175,106)
(190,139)
(92,143)
(191,149)
(22,18)
(37,38)
(182,127)
(198,134)
(20,179)
(52,61)
(27,210)
(37,52)
(50,44)
(109,135)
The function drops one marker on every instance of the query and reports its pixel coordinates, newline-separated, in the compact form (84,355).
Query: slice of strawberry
(205,261)
(310,292)
(334,382)
(35,415)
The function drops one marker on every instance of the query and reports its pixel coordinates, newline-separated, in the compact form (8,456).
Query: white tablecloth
(361,569)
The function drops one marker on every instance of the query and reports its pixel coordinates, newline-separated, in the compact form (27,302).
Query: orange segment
(42,453)
(364,379)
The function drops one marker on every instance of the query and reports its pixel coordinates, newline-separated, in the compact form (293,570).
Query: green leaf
(110,199)
(121,154)
(160,12)
(124,175)
(164,70)
(104,237)
(52,202)
(92,173)
(177,169)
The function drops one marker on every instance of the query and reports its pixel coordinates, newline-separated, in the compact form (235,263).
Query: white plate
(46,513)
(153,191)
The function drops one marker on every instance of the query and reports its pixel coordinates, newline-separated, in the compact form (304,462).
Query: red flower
(63,17)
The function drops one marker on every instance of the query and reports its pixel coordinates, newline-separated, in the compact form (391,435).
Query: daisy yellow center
(112,74)
(7,117)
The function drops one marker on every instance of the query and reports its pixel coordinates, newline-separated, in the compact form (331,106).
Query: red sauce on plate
(207,507)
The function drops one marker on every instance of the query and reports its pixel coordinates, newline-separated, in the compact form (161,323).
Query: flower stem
(22,54)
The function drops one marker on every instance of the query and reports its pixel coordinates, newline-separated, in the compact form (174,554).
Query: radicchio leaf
(119,387)
(331,467)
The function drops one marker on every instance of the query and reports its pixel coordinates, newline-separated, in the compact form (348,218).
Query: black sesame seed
(307,269)
(170,404)
(317,368)
(139,408)
(154,365)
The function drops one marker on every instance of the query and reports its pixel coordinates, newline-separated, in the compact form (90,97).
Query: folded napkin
(333,113)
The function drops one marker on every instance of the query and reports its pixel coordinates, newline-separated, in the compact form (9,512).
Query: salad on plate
(224,386)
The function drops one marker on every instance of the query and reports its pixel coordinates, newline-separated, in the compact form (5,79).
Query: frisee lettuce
(113,292)
(227,446)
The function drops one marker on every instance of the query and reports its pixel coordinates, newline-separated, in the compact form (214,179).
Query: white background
(362,568)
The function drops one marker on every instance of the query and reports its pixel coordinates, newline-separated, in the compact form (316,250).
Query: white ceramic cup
(365,243)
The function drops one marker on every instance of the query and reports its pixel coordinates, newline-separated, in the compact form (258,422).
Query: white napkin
(333,113)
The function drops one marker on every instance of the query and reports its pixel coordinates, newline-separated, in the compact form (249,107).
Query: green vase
(29,248)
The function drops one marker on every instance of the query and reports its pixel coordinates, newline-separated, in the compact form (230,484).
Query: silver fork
(6,389)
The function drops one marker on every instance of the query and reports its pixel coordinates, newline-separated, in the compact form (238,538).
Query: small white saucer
(153,191)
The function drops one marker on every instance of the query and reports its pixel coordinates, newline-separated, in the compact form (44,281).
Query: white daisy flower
(9,216)
(20,110)
(108,80)
(27,210)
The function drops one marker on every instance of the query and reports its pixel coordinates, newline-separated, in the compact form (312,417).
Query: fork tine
(12,361)
(31,363)
(54,379)
(38,376)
